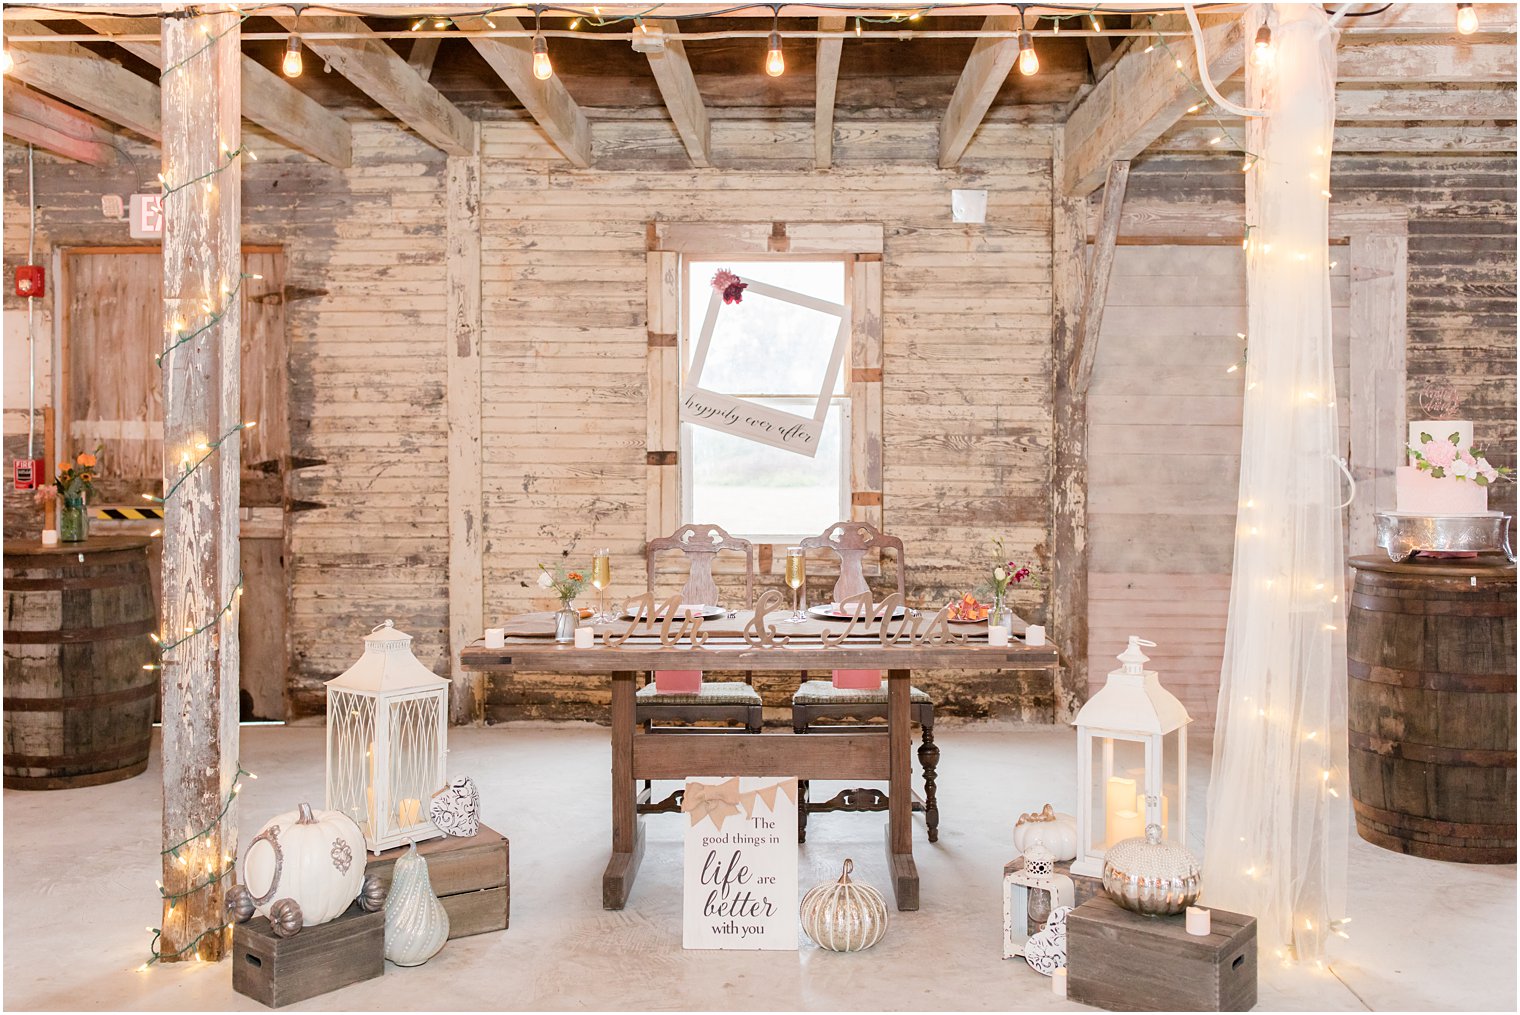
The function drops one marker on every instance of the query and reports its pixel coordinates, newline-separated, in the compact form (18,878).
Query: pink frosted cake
(1445,475)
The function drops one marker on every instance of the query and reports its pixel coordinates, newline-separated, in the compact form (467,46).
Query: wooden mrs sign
(864,612)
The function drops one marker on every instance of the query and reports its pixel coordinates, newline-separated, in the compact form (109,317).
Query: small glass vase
(565,623)
(73,523)
(1000,615)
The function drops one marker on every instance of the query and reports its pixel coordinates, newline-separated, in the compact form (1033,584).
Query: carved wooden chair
(727,701)
(819,707)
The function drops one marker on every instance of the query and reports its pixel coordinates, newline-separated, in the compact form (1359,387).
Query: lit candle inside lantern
(1126,825)
(408,812)
(1119,796)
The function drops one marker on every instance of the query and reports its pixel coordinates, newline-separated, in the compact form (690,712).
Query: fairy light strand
(190,469)
(227,805)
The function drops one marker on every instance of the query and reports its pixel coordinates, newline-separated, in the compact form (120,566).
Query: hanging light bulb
(542,68)
(1467,19)
(291,66)
(1029,62)
(1263,48)
(775,63)
(1096,22)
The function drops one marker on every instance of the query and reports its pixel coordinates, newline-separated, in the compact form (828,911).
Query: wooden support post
(202,268)
(466,503)
(1068,587)
(826,84)
(1091,319)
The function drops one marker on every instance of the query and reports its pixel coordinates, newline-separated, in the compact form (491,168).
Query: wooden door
(110,396)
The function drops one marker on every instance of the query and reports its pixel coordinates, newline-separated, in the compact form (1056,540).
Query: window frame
(860,245)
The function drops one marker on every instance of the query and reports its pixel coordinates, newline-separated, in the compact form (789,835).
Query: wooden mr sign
(741,863)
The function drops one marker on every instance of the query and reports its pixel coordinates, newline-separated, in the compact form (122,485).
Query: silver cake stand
(1405,535)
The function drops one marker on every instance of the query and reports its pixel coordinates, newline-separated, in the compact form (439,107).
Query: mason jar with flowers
(74,485)
(567,584)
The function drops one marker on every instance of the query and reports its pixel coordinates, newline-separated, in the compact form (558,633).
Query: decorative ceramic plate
(705,612)
(833,611)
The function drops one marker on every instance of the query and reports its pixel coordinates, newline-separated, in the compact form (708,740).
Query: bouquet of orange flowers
(566,584)
(76,481)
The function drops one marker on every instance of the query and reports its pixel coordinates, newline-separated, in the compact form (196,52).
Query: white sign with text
(740,889)
(745,417)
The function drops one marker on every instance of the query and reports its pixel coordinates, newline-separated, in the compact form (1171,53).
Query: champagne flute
(796,574)
(601,577)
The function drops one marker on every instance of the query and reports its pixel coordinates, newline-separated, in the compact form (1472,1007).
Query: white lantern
(387,733)
(1136,713)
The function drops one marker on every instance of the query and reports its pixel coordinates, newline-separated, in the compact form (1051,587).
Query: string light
(775,63)
(1097,23)
(543,70)
(858,28)
(1029,62)
(1262,50)
(1467,19)
(291,65)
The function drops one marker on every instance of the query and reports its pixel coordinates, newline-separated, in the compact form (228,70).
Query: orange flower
(576,576)
(86,459)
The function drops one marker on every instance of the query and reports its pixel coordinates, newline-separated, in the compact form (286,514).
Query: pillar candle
(997,637)
(49,537)
(1198,921)
(408,812)
(1126,825)
(585,637)
(1118,795)
(496,637)
(1034,636)
(1058,981)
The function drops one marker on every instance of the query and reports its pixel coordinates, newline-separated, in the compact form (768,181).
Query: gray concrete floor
(79,869)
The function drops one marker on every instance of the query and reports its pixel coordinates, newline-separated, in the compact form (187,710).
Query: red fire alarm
(28,473)
(29,281)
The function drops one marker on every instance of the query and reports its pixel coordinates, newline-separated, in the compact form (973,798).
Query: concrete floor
(80,865)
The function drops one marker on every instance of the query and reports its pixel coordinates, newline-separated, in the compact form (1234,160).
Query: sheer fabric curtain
(1278,801)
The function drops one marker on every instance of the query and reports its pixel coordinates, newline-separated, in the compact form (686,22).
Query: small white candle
(1198,921)
(1058,982)
(49,537)
(1034,636)
(409,813)
(496,637)
(997,636)
(585,637)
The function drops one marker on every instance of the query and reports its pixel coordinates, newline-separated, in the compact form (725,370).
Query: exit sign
(147,219)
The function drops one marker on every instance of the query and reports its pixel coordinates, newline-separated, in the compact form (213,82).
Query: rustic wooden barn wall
(965,367)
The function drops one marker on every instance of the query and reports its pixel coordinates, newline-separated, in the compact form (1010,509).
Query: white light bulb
(1029,61)
(542,68)
(291,65)
(1467,19)
(775,63)
(1263,47)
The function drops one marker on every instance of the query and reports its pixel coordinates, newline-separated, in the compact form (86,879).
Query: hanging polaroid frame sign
(740,887)
(744,417)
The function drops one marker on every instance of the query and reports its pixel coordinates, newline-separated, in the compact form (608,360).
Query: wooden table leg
(627,832)
(901,869)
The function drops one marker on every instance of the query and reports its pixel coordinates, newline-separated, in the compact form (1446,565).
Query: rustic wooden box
(469,875)
(1123,961)
(1084,888)
(277,971)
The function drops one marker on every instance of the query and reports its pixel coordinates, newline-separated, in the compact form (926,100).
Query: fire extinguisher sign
(28,473)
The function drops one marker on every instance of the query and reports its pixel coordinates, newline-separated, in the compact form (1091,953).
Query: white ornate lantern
(1132,714)
(387,733)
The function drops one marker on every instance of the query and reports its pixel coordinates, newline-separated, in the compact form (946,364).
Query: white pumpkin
(1056,832)
(317,859)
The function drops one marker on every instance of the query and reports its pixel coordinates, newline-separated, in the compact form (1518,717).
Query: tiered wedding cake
(1445,474)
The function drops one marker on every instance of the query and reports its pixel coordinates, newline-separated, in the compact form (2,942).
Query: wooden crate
(1123,961)
(1084,888)
(277,971)
(469,875)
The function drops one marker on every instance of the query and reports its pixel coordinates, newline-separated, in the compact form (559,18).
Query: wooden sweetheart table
(637,756)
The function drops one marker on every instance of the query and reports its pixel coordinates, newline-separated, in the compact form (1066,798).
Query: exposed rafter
(377,70)
(56,127)
(678,87)
(76,75)
(424,52)
(1138,101)
(984,73)
(826,83)
(1090,323)
(268,100)
(1370,104)
(546,101)
(1377,60)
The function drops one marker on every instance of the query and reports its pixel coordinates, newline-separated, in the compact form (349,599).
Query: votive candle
(1058,982)
(49,537)
(997,636)
(1199,921)
(585,637)
(1034,636)
(496,637)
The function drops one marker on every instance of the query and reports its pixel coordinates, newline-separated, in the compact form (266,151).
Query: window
(775,354)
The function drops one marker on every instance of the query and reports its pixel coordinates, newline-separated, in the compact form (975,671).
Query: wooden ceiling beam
(985,71)
(424,52)
(1364,104)
(546,101)
(53,126)
(74,74)
(1430,19)
(378,71)
(1360,59)
(826,84)
(1414,138)
(268,99)
(678,87)
(1139,100)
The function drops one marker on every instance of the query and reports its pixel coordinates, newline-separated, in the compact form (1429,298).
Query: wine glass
(601,577)
(796,574)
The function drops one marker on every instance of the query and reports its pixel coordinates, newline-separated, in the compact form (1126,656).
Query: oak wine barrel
(78,703)
(1430,648)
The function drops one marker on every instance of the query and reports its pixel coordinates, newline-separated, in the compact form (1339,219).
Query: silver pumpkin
(1151,877)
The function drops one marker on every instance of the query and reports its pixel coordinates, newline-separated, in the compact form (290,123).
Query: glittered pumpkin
(314,858)
(844,916)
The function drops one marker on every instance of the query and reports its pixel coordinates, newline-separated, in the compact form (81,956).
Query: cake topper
(1438,400)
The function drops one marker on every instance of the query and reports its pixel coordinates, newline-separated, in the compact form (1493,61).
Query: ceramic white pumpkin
(416,924)
(315,858)
(1056,832)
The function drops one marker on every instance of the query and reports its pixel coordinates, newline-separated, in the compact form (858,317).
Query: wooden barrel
(1430,647)
(78,703)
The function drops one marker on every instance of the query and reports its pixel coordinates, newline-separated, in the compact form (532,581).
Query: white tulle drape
(1277,805)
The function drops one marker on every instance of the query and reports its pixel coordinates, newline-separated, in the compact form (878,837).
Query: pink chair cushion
(677,681)
(857,680)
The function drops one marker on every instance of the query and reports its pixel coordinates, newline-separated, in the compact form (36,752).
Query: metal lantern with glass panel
(1129,718)
(387,734)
